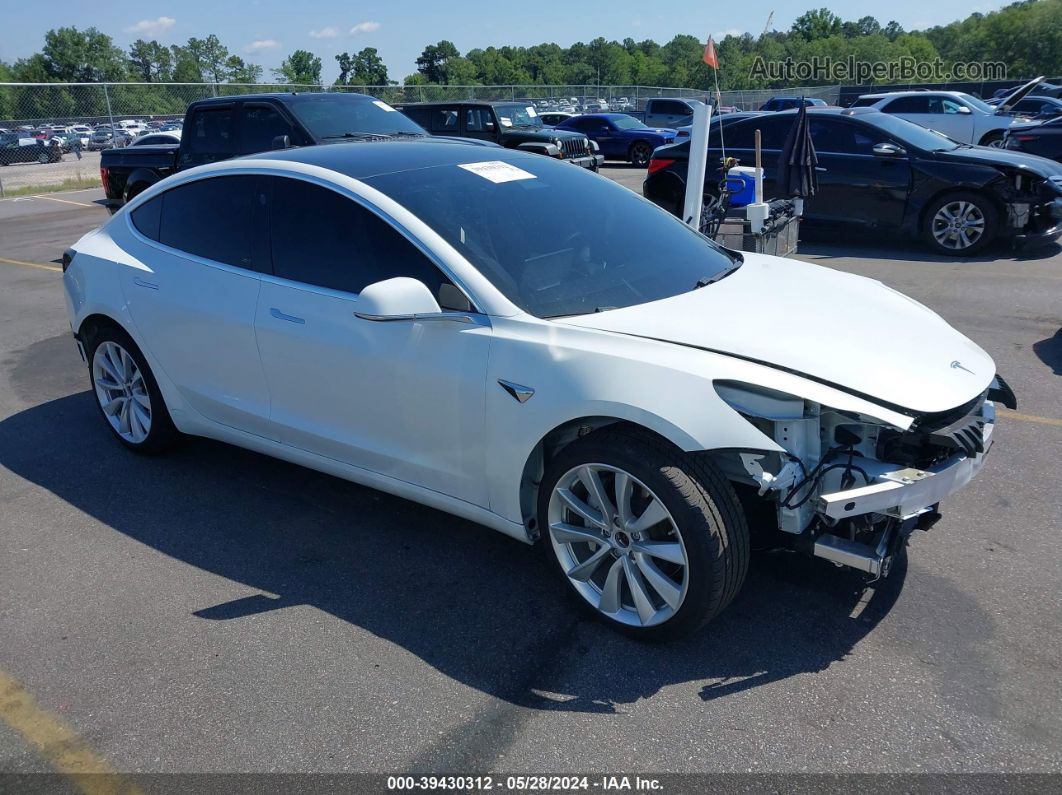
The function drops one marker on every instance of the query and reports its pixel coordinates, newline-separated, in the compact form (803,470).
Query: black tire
(702,503)
(162,434)
(931,225)
(993,139)
(640,154)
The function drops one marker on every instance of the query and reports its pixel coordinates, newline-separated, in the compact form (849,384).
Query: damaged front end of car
(851,488)
(1033,206)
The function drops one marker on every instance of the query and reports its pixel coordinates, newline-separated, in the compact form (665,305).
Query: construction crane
(768,25)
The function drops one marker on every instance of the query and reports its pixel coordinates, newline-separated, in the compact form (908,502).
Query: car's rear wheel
(127,393)
(641,153)
(960,224)
(650,539)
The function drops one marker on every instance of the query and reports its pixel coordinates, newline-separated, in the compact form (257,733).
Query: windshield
(557,240)
(627,123)
(980,104)
(517,116)
(910,133)
(336,115)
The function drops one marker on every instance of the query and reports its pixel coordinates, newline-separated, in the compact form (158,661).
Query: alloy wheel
(121,391)
(958,225)
(618,545)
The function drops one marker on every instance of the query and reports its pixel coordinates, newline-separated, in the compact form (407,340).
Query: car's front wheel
(127,393)
(960,224)
(650,539)
(641,153)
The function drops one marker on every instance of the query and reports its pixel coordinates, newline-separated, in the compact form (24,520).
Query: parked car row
(879,171)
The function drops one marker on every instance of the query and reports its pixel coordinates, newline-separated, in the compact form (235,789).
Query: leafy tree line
(1026,36)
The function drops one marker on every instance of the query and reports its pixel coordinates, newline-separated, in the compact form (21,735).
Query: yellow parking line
(58,743)
(66,201)
(1031,418)
(42,266)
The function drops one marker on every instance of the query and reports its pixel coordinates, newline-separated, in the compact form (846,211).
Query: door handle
(141,283)
(282,316)
(819,168)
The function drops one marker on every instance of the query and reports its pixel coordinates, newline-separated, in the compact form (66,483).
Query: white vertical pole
(691,208)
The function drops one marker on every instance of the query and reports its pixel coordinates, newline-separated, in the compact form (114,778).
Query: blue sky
(265,31)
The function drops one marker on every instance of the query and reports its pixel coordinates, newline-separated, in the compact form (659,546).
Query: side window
(323,238)
(479,120)
(211,218)
(147,218)
(670,106)
(209,133)
(260,125)
(444,120)
(908,105)
(421,116)
(743,135)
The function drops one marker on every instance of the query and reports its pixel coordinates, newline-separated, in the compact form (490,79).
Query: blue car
(620,137)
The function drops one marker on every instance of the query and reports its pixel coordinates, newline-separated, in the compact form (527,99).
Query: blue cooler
(747,194)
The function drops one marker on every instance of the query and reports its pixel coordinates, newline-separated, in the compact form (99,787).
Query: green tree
(150,61)
(302,67)
(211,57)
(81,56)
(239,71)
(433,60)
(817,24)
(365,68)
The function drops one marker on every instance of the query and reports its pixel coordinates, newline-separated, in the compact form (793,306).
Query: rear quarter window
(147,218)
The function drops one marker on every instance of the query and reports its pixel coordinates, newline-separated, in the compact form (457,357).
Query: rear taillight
(68,257)
(103,179)
(658,163)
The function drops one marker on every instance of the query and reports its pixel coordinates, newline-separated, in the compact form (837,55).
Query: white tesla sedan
(533,347)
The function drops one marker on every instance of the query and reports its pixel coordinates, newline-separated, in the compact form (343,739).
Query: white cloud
(365,27)
(259,45)
(324,33)
(151,27)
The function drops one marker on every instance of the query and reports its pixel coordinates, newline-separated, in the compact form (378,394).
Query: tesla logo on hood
(957,365)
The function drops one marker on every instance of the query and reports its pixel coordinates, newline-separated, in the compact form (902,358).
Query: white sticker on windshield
(530,111)
(506,121)
(381,105)
(497,171)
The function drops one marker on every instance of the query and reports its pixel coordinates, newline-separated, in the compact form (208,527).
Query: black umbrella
(796,164)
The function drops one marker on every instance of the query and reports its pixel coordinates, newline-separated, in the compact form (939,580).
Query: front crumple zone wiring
(815,476)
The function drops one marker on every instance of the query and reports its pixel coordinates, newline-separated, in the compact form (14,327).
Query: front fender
(576,372)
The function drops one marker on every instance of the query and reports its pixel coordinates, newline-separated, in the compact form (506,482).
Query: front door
(404,398)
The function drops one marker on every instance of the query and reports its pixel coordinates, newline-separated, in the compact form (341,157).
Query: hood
(989,156)
(848,331)
(1019,93)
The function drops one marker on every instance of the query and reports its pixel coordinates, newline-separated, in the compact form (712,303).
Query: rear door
(193,290)
(665,112)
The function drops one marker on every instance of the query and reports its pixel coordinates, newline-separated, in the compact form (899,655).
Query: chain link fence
(29,105)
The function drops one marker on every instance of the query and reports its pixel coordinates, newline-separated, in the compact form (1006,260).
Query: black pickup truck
(223,127)
(514,125)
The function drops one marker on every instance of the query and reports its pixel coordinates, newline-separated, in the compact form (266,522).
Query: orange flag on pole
(709,54)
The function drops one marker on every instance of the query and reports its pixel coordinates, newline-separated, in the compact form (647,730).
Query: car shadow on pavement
(477,606)
(1049,351)
(822,244)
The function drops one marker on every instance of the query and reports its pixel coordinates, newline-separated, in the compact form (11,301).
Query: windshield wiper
(407,134)
(356,135)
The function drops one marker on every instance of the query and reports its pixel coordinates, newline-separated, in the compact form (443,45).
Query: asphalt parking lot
(215,610)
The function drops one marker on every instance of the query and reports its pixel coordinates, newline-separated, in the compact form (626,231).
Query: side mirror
(889,150)
(402,298)
(281,142)
(964,109)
